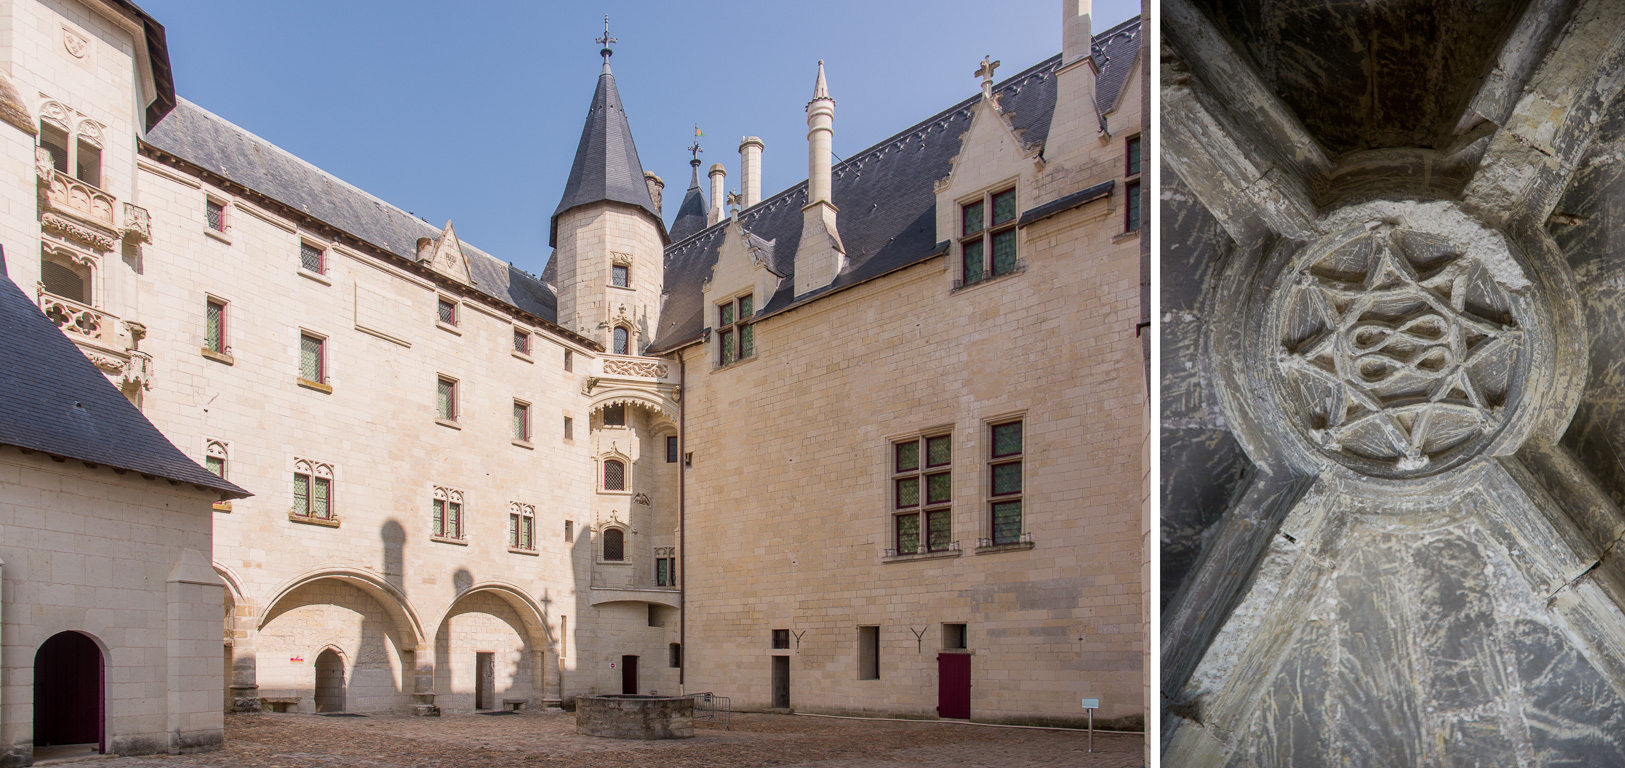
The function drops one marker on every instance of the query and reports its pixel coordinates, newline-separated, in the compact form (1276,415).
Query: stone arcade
(478,489)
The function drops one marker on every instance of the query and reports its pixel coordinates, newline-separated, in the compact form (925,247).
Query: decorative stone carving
(137,223)
(52,111)
(76,45)
(79,320)
(1398,346)
(641,498)
(137,372)
(643,368)
(90,131)
(621,259)
(73,230)
(107,363)
(44,165)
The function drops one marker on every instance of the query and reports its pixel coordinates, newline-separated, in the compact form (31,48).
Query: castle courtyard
(549,739)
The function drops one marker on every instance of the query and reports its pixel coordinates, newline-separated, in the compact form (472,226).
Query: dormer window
(987,244)
(736,337)
(620,276)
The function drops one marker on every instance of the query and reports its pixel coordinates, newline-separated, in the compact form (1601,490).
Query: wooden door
(781,682)
(629,675)
(953,685)
(485,690)
(68,684)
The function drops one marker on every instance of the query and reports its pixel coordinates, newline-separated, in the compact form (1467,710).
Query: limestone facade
(467,496)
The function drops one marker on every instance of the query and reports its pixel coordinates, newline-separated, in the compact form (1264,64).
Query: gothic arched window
(614,544)
(622,340)
(614,475)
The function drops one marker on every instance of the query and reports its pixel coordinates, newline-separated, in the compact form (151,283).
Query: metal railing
(717,709)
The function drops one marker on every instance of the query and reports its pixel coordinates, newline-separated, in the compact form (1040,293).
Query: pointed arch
(530,612)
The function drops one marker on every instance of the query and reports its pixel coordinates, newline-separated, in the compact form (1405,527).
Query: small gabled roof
(53,400)
(606,167)
(691,214)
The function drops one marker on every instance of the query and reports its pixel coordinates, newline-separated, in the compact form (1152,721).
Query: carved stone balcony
(626,366)
(74,209)
(108,342)
(80,321)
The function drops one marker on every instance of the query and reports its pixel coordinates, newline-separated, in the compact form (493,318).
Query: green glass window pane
(661,578)
(301,494)
(1007,439)
(908,492)
(973,262)
(727,314)
(939,488)
(216,319)
(747,341)
(521,415)
(318,502)
(1133,208)
(1004,252)
(1007,522)
(454,520)
(439,524)
(908,534)
(444,392)
(908,456)
(938,450)
(527,532)
(725,341)
(310,359)
(1006,478)
(513,530)
(971,219)
(1004,207)
(747,306)
(1133,156)
(938,530)
(216,465)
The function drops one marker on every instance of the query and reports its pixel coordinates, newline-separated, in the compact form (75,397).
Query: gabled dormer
(992,180)
(445,255)
(741,283)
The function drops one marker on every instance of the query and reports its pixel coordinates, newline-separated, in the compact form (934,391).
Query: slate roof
(54,400)
(691,214)
(213,143)
(606,165)
(888,208)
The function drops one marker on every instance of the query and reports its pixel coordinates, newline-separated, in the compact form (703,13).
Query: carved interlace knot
(1397,347)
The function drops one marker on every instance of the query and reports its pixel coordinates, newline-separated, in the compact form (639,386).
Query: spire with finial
(605,41)
(820,90)
(692,214)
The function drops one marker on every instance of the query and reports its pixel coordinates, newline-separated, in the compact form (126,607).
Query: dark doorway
(485,680)
(68,704)
(781,682)
(329,682)
(629,675)
(953,685)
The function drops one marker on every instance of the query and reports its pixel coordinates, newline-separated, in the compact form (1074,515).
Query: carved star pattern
(1438,299)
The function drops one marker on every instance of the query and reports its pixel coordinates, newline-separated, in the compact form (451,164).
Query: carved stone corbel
(137,223)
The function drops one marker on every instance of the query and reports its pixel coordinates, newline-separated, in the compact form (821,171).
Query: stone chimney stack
(750,170)
(820,257)
(425,248)
(1076,35)
(719,178)
(656,188)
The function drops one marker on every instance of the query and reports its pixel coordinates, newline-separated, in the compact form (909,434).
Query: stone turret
(821,256)
(606,232)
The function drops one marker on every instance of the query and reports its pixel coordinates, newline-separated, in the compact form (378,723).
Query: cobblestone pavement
(546,739)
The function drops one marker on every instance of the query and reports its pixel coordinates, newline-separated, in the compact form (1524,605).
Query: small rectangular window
(312,358)
(216,465)
(671,449)
(868,653)
(781,638)
(569,531)
(521,420)
(1132,151)
(621,276)
(676,655)
(312,259)
(736,337)
(521,341)
(1131,208)
(446,398)
(215,213)
(615,416)
(214,334)
(448,311)
(569,428)
(665,571)
(569,361)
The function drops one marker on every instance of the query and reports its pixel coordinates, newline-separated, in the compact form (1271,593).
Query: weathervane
(695,147)
(985,72)
(605,41)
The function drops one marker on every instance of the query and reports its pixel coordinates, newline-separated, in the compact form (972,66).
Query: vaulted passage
(68,703)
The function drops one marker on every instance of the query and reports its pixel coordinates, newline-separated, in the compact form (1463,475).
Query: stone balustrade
(71,196)
(634,367)
(79,320)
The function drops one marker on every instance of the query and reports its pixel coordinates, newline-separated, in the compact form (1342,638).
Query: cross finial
(986,73)
(605,41)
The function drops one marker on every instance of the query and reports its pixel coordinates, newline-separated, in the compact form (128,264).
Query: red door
(68,691)
(629,675)
(953,685)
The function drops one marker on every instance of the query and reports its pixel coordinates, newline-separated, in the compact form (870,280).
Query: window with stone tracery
(215,455)
(521,526)
(614,475)
(74,143)
(446,513)
(66,274)
(736,336)
(312,489)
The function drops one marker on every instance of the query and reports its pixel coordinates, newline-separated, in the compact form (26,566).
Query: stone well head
(628,716)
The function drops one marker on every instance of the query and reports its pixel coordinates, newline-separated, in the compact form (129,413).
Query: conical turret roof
(606,166)
(691,216)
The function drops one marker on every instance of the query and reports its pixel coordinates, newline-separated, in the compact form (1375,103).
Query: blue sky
(471,111)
